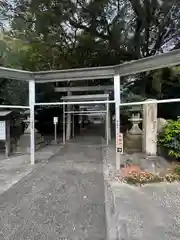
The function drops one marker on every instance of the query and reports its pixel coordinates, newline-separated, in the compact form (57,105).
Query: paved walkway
(17,166)
(62,199)
(148,212)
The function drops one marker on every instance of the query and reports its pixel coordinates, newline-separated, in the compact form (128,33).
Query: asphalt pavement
(61,199)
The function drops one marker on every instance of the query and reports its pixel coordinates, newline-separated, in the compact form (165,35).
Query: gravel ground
(63,199)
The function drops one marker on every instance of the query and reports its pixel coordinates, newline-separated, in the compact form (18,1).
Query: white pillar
(73,123)
(108,117)
(68,129)
(117,115)
(64,124)
(150,128)
(81,118)
(32,127)
(107,123)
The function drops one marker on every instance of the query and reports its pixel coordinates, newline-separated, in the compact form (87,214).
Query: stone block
(161,122)
(23,145)
(150,128)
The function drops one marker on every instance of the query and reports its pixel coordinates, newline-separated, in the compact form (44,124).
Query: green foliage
(11,52)
(15,53)
(54,34)
(124,29)
(177,170)
(170,137)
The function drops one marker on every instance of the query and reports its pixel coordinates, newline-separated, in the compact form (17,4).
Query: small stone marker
(55,120)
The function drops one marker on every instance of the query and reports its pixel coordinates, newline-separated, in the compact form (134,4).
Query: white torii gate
(94,98)
(133,67)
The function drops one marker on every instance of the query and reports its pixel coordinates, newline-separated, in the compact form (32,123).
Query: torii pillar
(68,126)
(108,119)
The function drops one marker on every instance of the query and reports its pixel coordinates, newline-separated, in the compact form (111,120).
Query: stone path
(62,199)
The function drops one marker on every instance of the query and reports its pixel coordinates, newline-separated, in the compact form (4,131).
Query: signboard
(2,130)
(55,120)
(119,143)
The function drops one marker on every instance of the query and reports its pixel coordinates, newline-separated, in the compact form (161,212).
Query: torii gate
(94,98)
(146,64)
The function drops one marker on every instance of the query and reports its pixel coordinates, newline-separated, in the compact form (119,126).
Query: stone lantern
(133,138)
(23,145)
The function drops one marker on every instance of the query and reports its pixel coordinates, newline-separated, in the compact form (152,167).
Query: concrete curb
(115,224)
(116,228)
(120,222)
(111,226)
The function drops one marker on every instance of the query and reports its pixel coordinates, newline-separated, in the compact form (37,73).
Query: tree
(66,34)
(10,56)
(129,29)
(16,54)
(137,28)
(5,8)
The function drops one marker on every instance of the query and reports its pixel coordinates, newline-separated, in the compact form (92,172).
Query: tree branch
(89,29)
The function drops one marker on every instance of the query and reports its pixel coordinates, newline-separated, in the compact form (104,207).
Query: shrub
(170,137)
(177,170)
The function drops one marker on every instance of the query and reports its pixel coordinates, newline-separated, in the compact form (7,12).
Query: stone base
(23,145)
(53,142)
(133,143)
